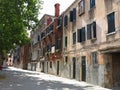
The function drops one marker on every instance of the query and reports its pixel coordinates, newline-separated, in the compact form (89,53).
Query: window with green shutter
(74,38)
(111,22)
(65,20)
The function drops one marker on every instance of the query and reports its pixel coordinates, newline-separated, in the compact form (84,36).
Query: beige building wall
(103,42)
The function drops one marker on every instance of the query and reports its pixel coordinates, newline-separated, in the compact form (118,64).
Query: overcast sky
(48,6)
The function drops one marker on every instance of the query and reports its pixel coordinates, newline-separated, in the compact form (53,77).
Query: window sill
(112,33)
(80,14)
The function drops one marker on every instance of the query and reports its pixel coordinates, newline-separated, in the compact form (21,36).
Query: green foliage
(16,17)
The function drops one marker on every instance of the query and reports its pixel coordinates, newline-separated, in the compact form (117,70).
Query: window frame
(66,59)
(92,3)
(111,22)
(81,35)
(74,38)
(94,58)
(92,30)
(50,64)
(65,20)
(81,7)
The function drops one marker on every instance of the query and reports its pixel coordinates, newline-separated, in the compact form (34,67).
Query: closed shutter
(74,14)
(111,23)
(71,16)
(56,45)
(74,38)
(94,29)
(65,20)
(66,41)
(89,33)
(83,34)
(38,37)
(78,35)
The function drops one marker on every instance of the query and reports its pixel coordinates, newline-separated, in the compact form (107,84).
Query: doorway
(58,65)
(74,67)
(83,58)
(42,69)
(116,69)
(47,67)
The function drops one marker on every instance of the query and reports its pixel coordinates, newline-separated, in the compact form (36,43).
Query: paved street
(17,79)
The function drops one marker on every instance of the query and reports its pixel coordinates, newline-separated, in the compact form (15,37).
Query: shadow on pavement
(17,80)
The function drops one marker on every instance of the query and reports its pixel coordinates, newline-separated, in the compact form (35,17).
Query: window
(73,26)
(66,20)
(92,3)
(66,59)
(111,22)
(89,34)
(81,35)
(50,64)
(73,15)
(49,47)
(81,7)
(94,58)
(42,34)
(74,38)
(38,37)
(91,31)
(41,52)
(50,29)
(44,50)
(60,21)
(58,44)
(66,41)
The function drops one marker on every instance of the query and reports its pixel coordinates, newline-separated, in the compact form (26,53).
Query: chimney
(57,9)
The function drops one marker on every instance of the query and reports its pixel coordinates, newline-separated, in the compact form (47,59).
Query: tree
(16,17)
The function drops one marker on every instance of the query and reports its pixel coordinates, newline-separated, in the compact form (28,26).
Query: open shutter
(83,34)
(89,34)
(78,35)
(94,29)
(74,14)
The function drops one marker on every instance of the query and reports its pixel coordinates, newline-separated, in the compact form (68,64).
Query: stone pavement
(17,79)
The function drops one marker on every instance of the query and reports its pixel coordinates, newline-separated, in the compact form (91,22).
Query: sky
(48,6)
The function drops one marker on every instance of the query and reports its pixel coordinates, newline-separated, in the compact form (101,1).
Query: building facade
(91,42)
(51,44)
(82,43)
(36,51)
